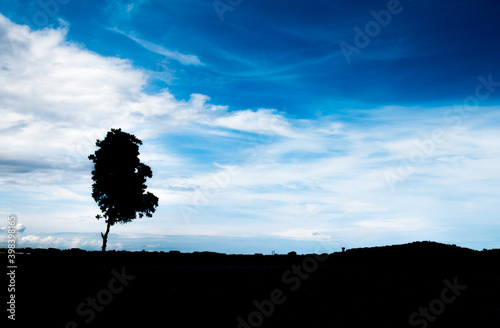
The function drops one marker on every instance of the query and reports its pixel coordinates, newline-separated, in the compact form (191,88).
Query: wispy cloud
(245,172)
(174,55)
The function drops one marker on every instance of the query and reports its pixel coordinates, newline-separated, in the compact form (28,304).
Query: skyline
(271,127)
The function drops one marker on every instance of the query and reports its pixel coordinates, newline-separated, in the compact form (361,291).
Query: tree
(119,177)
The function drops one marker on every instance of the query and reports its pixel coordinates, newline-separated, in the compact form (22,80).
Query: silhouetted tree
(119,181)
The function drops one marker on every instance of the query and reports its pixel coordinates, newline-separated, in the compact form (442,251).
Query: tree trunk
(105,237)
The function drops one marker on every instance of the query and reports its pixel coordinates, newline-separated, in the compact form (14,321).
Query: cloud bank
(236,173)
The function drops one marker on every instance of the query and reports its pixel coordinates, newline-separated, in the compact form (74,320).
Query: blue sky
(281,126)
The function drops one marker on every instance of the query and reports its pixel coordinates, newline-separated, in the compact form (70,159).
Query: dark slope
(366,287)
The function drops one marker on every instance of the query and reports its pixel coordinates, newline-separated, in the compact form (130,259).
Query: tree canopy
(119,187)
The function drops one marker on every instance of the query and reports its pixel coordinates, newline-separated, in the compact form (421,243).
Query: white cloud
(295,179)
(36,241)
(124,8)
(19,228)
(175,55)
(66,241)
(265,121)
(301,234)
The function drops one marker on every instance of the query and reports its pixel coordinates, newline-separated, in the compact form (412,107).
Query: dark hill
(364,287)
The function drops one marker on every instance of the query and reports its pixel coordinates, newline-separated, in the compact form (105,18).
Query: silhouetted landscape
(148,129)
(364,287)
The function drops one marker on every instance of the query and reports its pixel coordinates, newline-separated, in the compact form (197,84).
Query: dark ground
(369,287)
